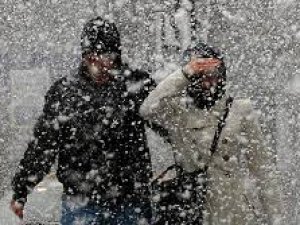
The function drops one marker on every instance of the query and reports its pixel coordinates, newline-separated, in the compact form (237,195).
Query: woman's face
(205,70)
(206,81)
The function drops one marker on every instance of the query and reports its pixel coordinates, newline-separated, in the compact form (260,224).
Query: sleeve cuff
(19,199)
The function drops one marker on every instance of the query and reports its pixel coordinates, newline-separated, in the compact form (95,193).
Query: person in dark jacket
(91,125)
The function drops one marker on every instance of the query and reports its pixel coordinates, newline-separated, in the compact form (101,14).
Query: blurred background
(260,40)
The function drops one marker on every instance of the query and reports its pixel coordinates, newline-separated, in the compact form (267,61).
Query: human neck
(103,79)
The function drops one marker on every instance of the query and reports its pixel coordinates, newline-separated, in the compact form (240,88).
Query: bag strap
(163,132)
(221,125)
(213,148)
(174,166)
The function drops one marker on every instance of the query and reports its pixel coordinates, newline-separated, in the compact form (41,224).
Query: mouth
(94,69)
(97,70)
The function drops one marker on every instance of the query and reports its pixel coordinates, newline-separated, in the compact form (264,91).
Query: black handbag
(180,201)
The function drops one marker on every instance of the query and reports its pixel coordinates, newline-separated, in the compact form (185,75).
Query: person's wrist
(19,203)
(17,208)
(187,73)
(19,199)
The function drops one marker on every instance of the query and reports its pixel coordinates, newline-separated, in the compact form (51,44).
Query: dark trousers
(78,211)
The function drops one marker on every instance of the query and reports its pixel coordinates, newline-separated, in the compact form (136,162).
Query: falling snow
(40,43)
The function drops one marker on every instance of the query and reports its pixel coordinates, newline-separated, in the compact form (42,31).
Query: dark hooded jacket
(96,134)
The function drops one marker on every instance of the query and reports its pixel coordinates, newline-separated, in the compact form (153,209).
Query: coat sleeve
(139,85)
(41,151)
(262,167)
(156,106)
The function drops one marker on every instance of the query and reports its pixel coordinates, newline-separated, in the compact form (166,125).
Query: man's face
(100,65)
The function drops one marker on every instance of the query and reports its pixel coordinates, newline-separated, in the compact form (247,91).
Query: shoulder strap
(159,129)
(221,125)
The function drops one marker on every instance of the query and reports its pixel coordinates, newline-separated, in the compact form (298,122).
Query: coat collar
(200,118)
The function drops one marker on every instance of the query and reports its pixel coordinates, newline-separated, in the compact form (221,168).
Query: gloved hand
(17,208)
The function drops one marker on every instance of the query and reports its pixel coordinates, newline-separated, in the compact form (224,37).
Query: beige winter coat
(243,185)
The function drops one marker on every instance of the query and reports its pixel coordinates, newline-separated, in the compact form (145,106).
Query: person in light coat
(243,187)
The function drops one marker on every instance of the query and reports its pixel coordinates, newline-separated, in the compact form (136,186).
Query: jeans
(86,213)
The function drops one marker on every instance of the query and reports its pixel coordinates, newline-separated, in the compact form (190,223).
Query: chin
(93,70)
(204,99)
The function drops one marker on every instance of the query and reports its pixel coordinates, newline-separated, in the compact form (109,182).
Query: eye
(92,59)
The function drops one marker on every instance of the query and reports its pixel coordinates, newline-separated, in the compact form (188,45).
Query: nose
(209,82)
(93,59)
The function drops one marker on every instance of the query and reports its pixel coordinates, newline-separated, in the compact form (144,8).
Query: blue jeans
(85,213)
